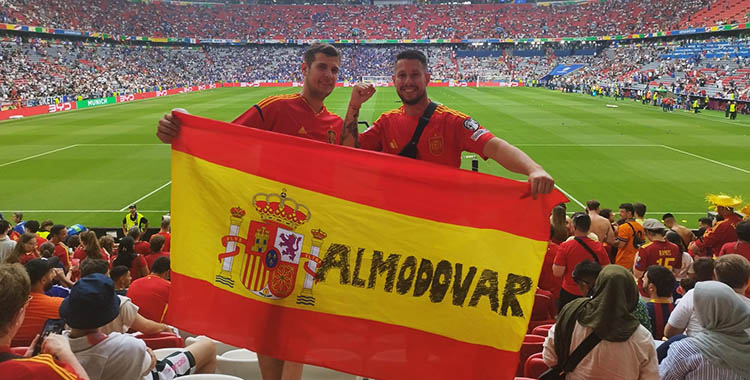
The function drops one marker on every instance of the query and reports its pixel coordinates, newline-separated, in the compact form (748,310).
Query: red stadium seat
(161,340)
(534,324)
(534,366)
(542,329)
(532,344)
(544,308)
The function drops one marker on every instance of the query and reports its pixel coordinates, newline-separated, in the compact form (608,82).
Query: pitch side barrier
(88,103)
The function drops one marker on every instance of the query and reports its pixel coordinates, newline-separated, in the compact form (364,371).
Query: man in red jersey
(302,114)
(658,252)
(722,232)
(57,236)
(448,132)
(742,245)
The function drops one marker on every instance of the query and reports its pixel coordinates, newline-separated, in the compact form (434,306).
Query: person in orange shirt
(630,237)
(41,307)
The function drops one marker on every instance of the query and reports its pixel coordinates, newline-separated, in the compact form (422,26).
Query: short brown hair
(327,49)
(733,270)
(14,291)
(156,243)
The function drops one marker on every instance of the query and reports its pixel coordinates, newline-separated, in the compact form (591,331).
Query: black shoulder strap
(410,150)
(5,356)
(580,352)
(257,107)
(588,249)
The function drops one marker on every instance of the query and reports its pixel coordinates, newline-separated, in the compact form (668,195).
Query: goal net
(377,81)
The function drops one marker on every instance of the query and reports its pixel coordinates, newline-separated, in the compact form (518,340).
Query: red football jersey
(446,136)
(291,115)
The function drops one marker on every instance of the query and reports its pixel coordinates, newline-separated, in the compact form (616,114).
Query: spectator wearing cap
(41,307)
(742,245)
(6,243)
(155,246)
(659,283)
(58,234)
(658,252)
(722,232)
(685,233)
(56,360)
(134,219)
(129,317)
(572,252)
(151,293)
(164,231)
(92,304)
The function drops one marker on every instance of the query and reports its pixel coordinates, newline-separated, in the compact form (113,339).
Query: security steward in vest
(134,219)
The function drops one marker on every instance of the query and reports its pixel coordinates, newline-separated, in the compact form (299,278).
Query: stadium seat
(535,324)
(534,366)
(542,330)
(543,309)
(532,344)
(210,376)
(311,372)
(241,363)
(161,340)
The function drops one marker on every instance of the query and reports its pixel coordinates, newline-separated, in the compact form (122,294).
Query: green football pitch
(87,166)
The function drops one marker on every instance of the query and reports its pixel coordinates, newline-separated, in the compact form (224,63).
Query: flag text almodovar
(363,262)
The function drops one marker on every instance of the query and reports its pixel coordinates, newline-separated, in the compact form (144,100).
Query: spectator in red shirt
(24,251)
(658,252)
(57,236)
(574,251)
(32,226)
(127,256)
(56,360)
(151,293)
(742,245)
(108,244)
(90,248)
(141,247)
(723,231)
(155,247)
(164,231)
(547,279)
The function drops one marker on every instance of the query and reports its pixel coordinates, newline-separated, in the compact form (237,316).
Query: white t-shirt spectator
(118,356)
(6,245)
(128,313)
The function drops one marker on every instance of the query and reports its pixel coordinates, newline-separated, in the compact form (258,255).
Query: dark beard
(415,101)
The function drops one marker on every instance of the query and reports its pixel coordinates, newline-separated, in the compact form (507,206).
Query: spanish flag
(366,263)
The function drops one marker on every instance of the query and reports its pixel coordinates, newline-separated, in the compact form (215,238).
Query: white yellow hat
(723,200)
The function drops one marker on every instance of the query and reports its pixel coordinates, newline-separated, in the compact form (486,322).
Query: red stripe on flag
(384,181)
(352,345)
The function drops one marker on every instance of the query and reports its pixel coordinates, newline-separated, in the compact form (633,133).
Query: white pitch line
(570,196)
(146,196)
(707,159)
(38,155)
(77,211)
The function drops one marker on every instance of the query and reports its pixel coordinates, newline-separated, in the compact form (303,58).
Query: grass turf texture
(87,166)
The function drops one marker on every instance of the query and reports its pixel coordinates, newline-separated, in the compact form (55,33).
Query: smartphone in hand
(51,326)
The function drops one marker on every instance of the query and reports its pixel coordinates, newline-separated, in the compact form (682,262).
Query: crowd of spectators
(664,301)
(40,71)
(245,21)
